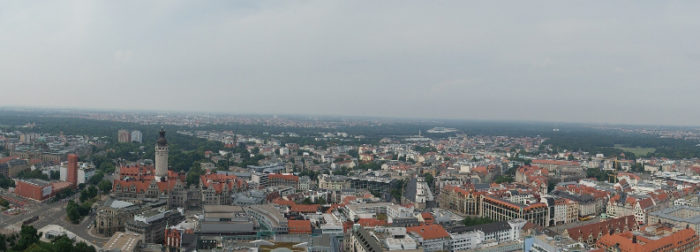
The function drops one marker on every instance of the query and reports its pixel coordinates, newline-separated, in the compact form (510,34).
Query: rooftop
(678,213)
(122,242)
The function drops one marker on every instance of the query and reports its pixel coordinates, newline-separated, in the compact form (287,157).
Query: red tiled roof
(219,182)
(646,203)
(305,208)
(140,186)
(631,175)
(429,232)
(283,177)
(6,159)
(369,222)
(685,237)
(299,226)
(604,227)
(554,162)
(428,218)
(280,201)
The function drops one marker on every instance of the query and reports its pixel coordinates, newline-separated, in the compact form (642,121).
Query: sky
(633,62)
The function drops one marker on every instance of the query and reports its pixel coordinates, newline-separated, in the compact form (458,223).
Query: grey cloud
(609,62)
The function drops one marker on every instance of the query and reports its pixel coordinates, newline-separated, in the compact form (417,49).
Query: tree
(95,179)
(4,203)
(27,236)
(551,184)
(55,175)
(73,212)
(503,179)
(6,182)
(37,174)
(3,245)
(62,244)
(397,190)
(105,186)
(83,247)
(88,193)
(106,167)
(429,179)
(193,175)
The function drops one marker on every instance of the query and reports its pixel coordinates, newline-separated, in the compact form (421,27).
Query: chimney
(634,239)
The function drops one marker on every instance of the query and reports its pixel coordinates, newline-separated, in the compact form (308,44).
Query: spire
(161,140)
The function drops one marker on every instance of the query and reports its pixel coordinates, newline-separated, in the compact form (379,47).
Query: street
(52,213)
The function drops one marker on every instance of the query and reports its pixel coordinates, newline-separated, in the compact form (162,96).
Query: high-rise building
(161,157)
(72,176)
(136,136)
(123,136)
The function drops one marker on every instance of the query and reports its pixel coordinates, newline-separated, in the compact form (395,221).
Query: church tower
(161,157)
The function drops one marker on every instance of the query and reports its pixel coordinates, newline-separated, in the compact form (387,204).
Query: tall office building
(161,157)
(136,136)
(123,136)
(72,175)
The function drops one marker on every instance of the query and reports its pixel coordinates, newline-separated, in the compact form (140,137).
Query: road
(53,213)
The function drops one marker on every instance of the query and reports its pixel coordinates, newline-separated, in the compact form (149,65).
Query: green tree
(105,186)
(73,212)
(27,236)
(55,175)
(62,244)
(503,179)
(193,175)
(95,179)
(307,201)
(83,247)
(3,244)
(4,203)
(6,182)
(429,179)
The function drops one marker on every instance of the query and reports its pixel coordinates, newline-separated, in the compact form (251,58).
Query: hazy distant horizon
(632,63)
(437,121)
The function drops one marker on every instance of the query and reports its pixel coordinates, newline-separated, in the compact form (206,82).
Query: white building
(85,172)
(466,240)
(137,136)
(486,234)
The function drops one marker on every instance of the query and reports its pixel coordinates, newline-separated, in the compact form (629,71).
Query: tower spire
(161,157)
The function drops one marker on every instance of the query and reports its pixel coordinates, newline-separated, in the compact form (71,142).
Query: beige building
(333,183)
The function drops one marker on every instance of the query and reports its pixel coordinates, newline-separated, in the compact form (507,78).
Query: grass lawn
(638,151)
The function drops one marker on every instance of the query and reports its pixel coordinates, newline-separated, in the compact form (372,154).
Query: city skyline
(554,62)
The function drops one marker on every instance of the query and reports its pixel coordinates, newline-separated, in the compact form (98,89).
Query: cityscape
(349,126)
(323,187)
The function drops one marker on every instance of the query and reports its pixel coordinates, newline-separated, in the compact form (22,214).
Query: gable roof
(604,227)
(429,232)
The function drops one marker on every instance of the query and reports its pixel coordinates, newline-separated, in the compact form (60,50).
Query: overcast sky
(579,61)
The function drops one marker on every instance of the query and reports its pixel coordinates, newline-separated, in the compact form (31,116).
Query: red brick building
(38,189)
(72,169)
